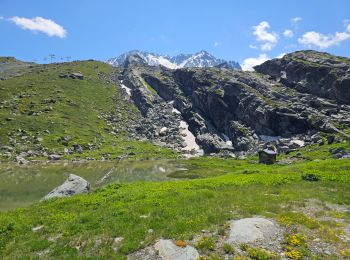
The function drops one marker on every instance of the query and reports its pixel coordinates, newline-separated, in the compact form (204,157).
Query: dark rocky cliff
(299,95)
(317,73)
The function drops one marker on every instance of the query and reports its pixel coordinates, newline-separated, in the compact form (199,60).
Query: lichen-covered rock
(169,251)
(165,249)
(255,231)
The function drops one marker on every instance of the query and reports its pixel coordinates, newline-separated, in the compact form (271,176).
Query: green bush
(205,243)
(228,248)
(310,177)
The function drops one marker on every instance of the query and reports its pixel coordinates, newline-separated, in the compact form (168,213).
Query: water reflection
(23,185)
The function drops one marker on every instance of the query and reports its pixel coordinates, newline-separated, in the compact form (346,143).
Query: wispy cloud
(288,33)
(296,20)
(1,17)
(252,46)
(248,64)
(319,40)
(216,44)
(39,24)
(268,39)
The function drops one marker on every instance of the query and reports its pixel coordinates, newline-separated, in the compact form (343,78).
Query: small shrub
(228,248)
(260,254)
(205,243)
(243,247)
(345,253)
(310,177)
(295,246)
(214,257)
(293,254)
(291,218)
(221,231)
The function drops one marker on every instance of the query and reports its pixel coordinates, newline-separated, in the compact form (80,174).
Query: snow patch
(128,90)
(160,60)
(188,137)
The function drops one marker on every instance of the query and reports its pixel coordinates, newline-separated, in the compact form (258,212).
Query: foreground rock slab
(72,186)
(256,231)
(169,251)
(166,250)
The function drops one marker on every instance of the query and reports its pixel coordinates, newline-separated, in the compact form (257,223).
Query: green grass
(209,192)
(40,104)
(178,210)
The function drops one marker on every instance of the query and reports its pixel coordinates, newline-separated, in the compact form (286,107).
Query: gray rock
(256,231)
(54,157)
(169,251)
(165,250)
(21,160)
(313,72)
(76,75)
(212,143)
(72,186)
(77,148)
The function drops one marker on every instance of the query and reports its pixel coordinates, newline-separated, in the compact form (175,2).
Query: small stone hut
(267,156)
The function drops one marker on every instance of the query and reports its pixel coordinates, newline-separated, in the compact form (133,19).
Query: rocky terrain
(136,114)
(289,102)
(316,73)
(233,111)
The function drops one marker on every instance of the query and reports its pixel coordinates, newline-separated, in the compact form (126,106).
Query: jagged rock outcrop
(228,109)
(313,72)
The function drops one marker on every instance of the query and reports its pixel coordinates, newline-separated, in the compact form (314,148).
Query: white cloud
(281,55)
(296,20)
(1,18)
(216,44)
(252,46)
(348,28)
(249,63)
(322,41)
(268,39)
(39,24)
(288,33)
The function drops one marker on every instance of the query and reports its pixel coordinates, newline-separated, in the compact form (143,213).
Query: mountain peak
(200,59)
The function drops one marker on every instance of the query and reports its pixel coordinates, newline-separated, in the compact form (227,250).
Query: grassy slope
(68,107)
(177,210)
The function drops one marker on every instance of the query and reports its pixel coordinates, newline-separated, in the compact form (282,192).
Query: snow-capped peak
(200,59)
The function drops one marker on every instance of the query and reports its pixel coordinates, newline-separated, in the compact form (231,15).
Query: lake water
(24,185)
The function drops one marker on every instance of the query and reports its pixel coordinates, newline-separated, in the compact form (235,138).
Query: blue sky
(245,31)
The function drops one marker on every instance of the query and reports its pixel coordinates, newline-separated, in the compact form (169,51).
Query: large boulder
(169,251)
(165,249)
(211,143)
(255,231)
(72,186)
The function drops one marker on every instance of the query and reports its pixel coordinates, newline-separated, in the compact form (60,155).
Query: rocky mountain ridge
(201,59)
